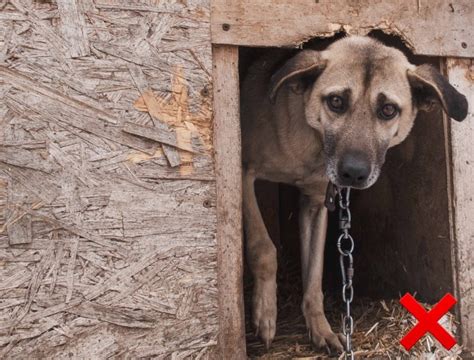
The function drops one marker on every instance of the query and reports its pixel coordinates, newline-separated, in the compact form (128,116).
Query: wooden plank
(229,201)
(437,27)
(461,75)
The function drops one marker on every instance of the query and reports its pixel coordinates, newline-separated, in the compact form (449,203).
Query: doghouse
(120,173)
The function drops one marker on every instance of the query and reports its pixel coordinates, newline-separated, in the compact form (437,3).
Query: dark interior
(400,225)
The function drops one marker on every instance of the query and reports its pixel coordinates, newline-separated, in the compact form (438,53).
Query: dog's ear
(429,87)
(306,64)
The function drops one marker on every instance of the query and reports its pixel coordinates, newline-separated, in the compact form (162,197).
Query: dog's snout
(353,169)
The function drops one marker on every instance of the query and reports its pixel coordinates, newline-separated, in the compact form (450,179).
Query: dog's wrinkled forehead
(360,63)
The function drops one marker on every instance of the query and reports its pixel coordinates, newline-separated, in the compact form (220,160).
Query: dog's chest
(314,177)
(310,173)
(296,171)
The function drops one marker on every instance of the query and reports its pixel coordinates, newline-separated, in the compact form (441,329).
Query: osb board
(461,74)
(107,243)
(429,27)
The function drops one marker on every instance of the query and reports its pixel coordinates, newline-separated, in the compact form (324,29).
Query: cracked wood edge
(436,27)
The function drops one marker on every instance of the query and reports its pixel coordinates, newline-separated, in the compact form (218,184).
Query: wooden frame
(291,23)
(461,169)
(229,201)
(247,23)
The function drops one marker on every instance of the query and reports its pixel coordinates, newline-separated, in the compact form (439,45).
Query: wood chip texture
(107,183)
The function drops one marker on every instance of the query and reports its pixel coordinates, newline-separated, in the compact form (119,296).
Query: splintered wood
(107,183)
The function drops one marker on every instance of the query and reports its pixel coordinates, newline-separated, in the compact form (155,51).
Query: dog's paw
(320,332)
(322,336)
(265,311)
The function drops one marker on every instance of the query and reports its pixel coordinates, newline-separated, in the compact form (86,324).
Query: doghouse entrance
(402,235)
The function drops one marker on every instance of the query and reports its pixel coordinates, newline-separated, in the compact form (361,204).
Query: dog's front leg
(313,226)
(262,259)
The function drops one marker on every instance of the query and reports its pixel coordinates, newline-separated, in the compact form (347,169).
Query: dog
(324,116)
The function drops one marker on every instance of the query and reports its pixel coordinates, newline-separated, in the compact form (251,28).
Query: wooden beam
(461,75)
(435,27)
(227,147)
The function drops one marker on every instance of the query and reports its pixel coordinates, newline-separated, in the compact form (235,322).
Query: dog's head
(363,97)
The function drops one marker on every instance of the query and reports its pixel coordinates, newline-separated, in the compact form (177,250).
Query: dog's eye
(336,103)
(388,112)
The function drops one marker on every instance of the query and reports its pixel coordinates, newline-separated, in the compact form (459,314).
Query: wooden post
(229,202)
(461,75)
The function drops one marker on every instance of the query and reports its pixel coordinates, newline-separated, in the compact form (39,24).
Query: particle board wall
(107,183)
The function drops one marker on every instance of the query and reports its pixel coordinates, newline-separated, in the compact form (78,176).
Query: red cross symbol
(428,321)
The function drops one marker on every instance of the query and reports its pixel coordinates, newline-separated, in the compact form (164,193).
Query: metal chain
(345,245)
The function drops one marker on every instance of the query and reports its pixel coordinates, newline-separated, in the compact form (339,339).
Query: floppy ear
(430,87)
(305,64)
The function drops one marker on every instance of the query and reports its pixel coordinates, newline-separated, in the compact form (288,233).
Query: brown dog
(324,116)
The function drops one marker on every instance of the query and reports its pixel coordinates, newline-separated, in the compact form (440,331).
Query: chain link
(345,245)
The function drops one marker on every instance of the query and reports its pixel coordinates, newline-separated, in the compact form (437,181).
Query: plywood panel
(461,74)
(108,214)
(435,27)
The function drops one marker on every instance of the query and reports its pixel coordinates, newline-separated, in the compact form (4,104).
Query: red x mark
(428,321)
